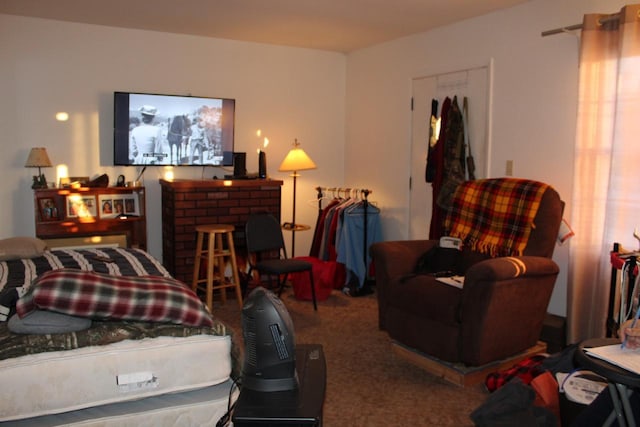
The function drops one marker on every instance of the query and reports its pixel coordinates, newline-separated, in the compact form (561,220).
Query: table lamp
(38,158)
(296,160)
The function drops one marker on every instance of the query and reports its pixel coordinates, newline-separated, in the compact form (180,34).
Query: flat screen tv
(153,129)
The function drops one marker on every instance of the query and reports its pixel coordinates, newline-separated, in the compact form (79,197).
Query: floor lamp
(297,160)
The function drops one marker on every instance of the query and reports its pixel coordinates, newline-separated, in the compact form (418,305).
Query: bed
(105,337)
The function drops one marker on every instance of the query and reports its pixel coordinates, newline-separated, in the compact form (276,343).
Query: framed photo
(116,205)
(48,209)
(81,206)
(79,179)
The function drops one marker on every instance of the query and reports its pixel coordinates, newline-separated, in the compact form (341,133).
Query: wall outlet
(509,168)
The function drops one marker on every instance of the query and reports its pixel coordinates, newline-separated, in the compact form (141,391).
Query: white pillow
(21,247)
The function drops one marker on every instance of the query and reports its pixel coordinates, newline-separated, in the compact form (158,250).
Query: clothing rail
(364,193)
(346,190)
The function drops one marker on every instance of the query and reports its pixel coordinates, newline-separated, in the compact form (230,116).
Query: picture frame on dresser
(48,209)
(81,206)
(116,205)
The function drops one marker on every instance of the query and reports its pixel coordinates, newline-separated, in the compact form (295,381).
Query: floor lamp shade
(295,161)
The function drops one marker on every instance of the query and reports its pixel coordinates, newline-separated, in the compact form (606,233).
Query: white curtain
(606,195)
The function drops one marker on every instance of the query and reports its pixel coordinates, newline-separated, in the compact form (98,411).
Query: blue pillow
(47,322)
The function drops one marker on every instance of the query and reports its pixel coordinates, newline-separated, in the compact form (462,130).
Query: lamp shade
(38,158)
(296,160)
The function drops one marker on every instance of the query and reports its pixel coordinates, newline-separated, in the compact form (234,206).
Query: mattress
(115,364)
(61,381)
(202,407)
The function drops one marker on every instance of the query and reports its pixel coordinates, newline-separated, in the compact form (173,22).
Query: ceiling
(334,25)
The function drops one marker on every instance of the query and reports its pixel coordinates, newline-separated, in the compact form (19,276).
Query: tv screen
(152,129)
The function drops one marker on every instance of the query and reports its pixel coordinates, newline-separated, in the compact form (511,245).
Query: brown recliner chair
(500,309)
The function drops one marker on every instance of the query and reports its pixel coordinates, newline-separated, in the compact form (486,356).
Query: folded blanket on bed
(102,296)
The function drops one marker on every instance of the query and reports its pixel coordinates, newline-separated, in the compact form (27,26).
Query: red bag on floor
(325,275)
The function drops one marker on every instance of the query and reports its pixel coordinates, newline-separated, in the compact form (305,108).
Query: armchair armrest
(506,268)
(393,260)
(504,303)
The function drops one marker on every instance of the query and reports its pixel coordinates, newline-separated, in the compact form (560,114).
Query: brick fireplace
(187,203)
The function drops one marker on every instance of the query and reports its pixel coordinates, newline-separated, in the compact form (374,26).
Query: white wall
(534,103)
(48,66)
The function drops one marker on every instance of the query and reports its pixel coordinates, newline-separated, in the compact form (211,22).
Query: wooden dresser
(91,216)
(187,203)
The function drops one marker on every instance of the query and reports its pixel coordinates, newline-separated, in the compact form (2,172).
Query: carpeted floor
(367,384)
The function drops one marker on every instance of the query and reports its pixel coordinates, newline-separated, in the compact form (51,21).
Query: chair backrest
(263,234)
(544,235)
(506,215)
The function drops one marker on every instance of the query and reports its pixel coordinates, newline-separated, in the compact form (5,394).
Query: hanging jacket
(454,156)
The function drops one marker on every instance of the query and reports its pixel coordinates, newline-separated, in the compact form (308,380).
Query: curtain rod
(561,30)
(601,21)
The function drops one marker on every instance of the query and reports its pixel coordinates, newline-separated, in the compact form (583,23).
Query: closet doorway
(475,84)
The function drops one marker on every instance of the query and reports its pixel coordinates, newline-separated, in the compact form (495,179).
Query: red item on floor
(325,276)
(526,370)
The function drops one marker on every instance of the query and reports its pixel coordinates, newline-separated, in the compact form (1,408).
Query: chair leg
(313,290)
(196,263)
(234,268)
(245,289)
(220,263)
(281,283)
(270,282)
(211,261)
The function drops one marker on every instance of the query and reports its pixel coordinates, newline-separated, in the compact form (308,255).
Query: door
(475,85)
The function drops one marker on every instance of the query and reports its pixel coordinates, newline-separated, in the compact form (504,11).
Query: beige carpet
(367,384)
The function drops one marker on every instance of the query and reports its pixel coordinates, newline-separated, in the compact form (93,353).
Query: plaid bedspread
(494,216)
(113,261)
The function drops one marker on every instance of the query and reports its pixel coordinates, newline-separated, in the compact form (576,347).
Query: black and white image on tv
(172,130)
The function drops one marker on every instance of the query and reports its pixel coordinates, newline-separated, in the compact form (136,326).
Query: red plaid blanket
(494,216)
(102,296)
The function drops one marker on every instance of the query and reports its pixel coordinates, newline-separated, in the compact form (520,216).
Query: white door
(475,85)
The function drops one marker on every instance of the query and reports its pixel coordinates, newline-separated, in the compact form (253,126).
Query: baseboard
(457,373)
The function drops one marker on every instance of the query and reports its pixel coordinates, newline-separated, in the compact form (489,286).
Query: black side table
(294,408)
(621,382)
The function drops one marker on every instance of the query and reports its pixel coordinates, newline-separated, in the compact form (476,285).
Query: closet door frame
(474,82)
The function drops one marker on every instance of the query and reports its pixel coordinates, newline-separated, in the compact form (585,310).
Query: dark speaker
(262,165)
(239,165)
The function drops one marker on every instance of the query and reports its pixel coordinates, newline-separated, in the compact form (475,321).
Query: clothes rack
(362,194)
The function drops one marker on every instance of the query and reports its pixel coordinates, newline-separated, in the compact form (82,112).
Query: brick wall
(187,203)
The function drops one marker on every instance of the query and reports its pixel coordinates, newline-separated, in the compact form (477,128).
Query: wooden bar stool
(216,257)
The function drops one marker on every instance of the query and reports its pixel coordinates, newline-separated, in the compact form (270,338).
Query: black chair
(266,244)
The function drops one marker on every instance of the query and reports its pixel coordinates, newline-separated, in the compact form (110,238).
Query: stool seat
(215,228)
(216,256)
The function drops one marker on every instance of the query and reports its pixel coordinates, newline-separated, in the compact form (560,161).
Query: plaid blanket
(494,216)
